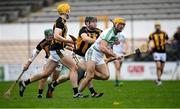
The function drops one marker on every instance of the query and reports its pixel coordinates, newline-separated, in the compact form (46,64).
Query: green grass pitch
(133,94)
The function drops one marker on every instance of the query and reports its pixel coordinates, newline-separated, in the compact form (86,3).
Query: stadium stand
(136,9)
(16,52)
(11,10)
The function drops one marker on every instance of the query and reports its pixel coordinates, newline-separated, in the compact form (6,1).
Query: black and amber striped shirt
(44,44)
(159,39)
(83,46)
(61,24)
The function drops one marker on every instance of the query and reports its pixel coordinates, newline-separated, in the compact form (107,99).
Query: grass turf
(133,94)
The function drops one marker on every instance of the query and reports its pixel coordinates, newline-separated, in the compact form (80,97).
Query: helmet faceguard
(157,26)
(119,24)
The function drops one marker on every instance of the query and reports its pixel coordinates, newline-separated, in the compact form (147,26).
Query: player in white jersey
(120,49)
(95,65)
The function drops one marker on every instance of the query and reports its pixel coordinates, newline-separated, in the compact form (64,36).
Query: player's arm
(58,29)
(108,59)
(87,39)
(35,52)
(104,48)
(150,43)
(58,36)
(69,46)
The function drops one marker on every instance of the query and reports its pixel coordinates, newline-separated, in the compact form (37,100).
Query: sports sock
(54,84)
(40,91)
(159,79)
(27,82)
(91,89)
(75,89)
(117,82)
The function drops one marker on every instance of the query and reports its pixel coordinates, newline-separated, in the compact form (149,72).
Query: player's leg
(55,75)
(157,58)
(90,69)
(163,60)
(63,74)
(41,87)
(120,82)
(102,71)
(81,75)
(51,65)
(93,70)
(162,63)
(69,63)
(61,79)
(117,72)
(94,94)
(82,64)
(92,58)
(42,83)
(162,67)
(158,72)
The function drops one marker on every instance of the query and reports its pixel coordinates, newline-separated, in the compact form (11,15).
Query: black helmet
(48,32)
(90,19)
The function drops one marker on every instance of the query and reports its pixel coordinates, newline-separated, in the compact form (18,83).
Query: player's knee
(106,77)
(158,67)
(45,75)
(90,77)
(43,80)
(66,77)
(74,68)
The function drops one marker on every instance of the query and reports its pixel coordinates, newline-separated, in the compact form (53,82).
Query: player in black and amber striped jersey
(158,40)
(43,45)
(87,36)
(57,53)
(60,24)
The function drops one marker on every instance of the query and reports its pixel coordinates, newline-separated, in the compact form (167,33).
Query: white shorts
(55,57)
(159,56)
(58,68)
(95,56)
(45,61)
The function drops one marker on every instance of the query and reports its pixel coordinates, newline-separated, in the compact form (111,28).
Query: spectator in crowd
(176,39)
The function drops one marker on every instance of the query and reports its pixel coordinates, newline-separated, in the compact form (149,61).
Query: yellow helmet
(157,23)
(119,20)
(63,8)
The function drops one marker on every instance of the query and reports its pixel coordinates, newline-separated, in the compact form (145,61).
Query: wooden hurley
(142,49)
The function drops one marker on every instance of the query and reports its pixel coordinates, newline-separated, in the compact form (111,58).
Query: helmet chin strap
(115,31)
(67,16)
(64,16)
